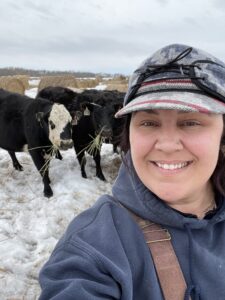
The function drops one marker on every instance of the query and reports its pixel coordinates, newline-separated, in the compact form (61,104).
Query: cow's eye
(52,125)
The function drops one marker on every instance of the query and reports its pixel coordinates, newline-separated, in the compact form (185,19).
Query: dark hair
(218,176)
(124,137)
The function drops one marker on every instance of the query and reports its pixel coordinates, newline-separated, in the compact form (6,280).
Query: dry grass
(117,86)
(63,81)
(88,83)
(94,145)
(119,83)
(118,79)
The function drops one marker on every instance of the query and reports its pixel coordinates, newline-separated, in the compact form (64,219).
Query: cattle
(97,122)
(93,127)
(40,126)
(65,96)
(114,99)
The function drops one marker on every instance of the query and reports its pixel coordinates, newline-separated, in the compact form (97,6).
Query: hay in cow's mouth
(94,145)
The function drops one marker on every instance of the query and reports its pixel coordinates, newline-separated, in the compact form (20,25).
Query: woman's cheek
(141,144)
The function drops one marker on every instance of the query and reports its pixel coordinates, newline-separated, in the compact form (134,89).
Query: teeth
(172,166)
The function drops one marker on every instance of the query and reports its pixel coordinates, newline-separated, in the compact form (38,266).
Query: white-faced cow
(39,126)
(65,96)
(96,124)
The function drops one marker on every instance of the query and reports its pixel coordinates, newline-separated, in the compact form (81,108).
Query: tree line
(37,73)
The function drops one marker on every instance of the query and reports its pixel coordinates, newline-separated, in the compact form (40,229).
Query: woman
(173,175)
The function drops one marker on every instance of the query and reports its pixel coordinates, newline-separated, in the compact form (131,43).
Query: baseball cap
(177,77)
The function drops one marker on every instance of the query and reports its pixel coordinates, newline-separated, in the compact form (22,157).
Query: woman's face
(175,153)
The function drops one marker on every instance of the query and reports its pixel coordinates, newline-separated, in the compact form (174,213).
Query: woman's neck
(199,204)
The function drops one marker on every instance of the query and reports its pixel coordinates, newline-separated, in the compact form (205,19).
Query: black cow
(113,99)
(96,123)
(65,96)
(39,126)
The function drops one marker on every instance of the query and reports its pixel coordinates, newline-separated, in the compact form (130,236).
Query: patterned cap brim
(185,101)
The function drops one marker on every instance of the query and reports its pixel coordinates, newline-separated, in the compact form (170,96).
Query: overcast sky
(112,36)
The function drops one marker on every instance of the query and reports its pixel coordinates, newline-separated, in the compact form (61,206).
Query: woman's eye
(149,124)
(190,123)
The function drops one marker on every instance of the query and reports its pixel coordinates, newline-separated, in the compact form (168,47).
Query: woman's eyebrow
(155,112)
(180,112)
(194,112)
(151,111)
(184,112)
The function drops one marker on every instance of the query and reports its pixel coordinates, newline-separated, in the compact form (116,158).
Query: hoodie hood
(132,193)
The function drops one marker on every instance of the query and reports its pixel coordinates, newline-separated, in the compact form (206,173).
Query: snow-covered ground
(30,224)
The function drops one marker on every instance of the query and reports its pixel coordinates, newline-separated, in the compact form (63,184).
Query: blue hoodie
(103,254)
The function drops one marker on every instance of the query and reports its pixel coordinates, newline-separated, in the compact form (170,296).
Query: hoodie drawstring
(192,290)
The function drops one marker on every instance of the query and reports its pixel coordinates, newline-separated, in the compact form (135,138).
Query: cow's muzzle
(106,133)
(65,145)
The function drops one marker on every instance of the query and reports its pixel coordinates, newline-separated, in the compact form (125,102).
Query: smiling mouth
(167,166)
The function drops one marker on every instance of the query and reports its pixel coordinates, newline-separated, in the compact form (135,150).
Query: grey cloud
(39,9)
(14,5)
(104,34)
(219,4)
(61,45)
(164,2)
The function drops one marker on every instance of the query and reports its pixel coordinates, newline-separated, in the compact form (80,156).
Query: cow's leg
(82,160)
(97,159)
(43,166)
(15,162)
(58,155)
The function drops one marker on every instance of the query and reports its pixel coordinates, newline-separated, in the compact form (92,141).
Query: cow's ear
(76,116)
(39,116)
(87,112)
(84,107)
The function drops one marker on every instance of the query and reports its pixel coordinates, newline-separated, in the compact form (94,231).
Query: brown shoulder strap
(165,260)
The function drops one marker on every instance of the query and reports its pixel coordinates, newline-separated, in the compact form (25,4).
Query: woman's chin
(170,198)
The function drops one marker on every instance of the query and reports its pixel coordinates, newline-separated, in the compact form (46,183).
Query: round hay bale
(15,85)
(63,81)
(2,83)
(87,83)
(24,79)
(12,84)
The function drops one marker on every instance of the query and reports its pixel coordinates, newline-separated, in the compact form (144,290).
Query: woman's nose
(168,141)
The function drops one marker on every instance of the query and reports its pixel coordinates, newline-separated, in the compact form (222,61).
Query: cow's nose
(107,133)
(64,145)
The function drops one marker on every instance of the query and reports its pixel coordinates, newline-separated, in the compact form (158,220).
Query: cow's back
(12,108)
